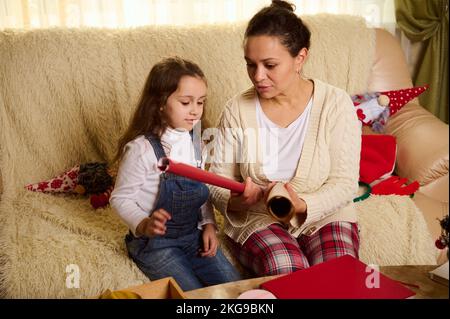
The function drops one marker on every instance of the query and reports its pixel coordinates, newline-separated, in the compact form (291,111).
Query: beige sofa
(66,96)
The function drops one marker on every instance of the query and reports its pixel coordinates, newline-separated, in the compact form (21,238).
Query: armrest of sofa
(422,138)
(422,141)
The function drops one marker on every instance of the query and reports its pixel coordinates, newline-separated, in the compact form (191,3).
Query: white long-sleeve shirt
(282,146)
(137,182)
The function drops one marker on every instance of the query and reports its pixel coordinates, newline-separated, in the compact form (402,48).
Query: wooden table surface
(417,275)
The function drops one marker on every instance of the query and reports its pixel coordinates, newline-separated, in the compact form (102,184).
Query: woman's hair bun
(283,4)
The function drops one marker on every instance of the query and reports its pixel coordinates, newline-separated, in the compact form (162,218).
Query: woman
(287,128)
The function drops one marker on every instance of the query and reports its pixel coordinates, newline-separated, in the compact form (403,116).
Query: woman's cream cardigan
(327,174)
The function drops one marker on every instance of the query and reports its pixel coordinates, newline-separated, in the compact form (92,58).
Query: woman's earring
(161,109)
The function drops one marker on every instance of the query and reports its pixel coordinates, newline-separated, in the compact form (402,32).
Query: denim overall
(180,196)
(176,253)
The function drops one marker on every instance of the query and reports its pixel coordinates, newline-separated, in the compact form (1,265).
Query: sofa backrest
(66,95)
(389,69)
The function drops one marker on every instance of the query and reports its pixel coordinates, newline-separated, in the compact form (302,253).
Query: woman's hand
(154,225)
(251,195)
(298,203)
(210,241)
(268,189)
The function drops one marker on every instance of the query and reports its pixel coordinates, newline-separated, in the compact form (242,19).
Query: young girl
(171,221)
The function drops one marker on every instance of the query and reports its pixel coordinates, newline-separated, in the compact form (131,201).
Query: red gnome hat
(398,98)
(63,183)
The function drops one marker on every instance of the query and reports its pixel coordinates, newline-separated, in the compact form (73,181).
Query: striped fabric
(273,250)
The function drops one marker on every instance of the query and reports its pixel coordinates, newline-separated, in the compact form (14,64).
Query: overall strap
(157,146)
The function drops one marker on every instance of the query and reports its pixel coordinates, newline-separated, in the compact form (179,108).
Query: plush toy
(443,240)
(95,180)
(374,109)
(101,199)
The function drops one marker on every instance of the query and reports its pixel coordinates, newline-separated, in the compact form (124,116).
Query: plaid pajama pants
(273,250)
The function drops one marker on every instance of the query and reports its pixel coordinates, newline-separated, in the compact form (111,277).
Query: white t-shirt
(281,147)
(137,183)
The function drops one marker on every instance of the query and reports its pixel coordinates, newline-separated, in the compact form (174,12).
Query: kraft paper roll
(279,203)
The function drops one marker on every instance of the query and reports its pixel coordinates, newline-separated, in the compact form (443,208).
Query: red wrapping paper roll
(167,165)
(279,203)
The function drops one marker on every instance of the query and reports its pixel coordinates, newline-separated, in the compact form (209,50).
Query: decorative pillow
(378,154)
(375,108)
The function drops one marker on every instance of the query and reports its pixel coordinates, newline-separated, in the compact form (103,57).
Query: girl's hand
(251,195)
(210,241)
(154,225)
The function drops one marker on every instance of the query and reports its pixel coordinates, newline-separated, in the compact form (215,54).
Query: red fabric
(378,153)
(398,98)
(101,200)
(341,278)
(395,185)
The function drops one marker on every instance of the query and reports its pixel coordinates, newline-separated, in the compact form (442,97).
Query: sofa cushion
(48,235)
(394,232)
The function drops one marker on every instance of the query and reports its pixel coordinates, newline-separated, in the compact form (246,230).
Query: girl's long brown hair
(161,82)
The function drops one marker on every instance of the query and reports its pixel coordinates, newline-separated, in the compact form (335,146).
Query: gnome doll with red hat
(379,151)
(94,179)
(374,109)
